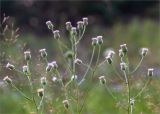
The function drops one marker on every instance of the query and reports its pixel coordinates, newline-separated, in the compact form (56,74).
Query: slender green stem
(128,87)
(138,65)
(61,50)
(102,62)
(110,93)
(81,35)
(144,87)
(96,66)
(117,73)
(31,85)
(14,86)
(84,76)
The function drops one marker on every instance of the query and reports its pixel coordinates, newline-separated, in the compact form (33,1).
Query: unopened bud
(102,79)
(74,31)
(109,59)
(7,80)
(56,34)
(123,66)
(78,61)
(27,55)
(69,54)
(99,40)
(80,25)
(144,51)
(150,72)
(66,104)
(94,41)
(124,48)
(25,69)
(40,92)
(68,26)
(10,66)
(49,25)
(43,53)
(43,81)
(85,21)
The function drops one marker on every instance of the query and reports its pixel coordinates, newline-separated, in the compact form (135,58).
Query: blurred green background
(135,23)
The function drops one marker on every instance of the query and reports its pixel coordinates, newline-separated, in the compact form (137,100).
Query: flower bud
(99,40)
(49,25)
(150,72)
(74,31)
(144,51)
(43,53)
(7,80)
(74,77)
(109,59)
(69,54)
(68,26)
(123,66)
(43,81)
(85,21)
(102,79)
(49,67)
(121,54)
(25,69)
(55,66)
(94,41)
(80,25)
(40,92)
(78,61)
(10,66)
(66,104)
(124,48)
(56,34)
(27,55)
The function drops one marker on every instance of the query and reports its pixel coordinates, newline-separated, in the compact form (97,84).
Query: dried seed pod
(43,81)
(25,69)
(102,79)
(124,48)
(123,66)
(144,51)
(80,25)
(68,26)
(56,34)
(40,92)
(100,40)
(150,72)
(74,31)
(78,61)
(43,53)
(66,104)
(94,41)
(109,59)
(85,21)
(49,67)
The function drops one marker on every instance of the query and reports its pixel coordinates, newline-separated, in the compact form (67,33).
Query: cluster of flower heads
(123,65)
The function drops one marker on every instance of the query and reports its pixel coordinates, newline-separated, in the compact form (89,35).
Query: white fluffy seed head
(74,31)
(80,25)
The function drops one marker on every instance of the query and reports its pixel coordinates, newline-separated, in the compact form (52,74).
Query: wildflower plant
(72,99)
